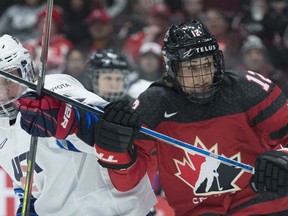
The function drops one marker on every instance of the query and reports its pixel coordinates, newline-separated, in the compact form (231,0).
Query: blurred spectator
(134,18)
(254,57)
(276,20)
(229,40)
(275,23)
(101,29)
(20,19)
(74,15)
(249,21)
(140,8)
(228,6)
(4,5)
(113,7)
(75,64)
(285,37)
(192,9)
(59,46)
(157,24)
(149,68)
(174,5)
(150,61)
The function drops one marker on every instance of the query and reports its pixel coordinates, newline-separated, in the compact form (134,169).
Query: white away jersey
(69,182)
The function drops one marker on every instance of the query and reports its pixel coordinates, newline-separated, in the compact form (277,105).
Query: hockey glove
(271,173)
(46,117)
(114,135)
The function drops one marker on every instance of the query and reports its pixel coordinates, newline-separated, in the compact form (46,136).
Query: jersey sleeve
(68,86)
(269,116)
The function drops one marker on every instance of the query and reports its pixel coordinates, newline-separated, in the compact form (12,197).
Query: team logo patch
(206,175)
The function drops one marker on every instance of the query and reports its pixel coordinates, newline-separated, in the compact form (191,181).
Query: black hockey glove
(271,173)
(114,135)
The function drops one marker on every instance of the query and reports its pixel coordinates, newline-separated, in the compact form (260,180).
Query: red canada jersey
(248,117)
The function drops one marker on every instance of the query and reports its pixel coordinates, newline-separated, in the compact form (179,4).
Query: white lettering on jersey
(109,159)
(197,200)
(67,115)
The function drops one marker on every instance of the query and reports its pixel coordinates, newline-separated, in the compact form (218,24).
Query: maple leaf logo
(207,175)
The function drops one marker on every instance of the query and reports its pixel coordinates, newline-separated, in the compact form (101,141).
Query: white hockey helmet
(13,57)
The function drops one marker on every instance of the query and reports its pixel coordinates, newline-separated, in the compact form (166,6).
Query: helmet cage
(108,61)
(110,95)
(190,41)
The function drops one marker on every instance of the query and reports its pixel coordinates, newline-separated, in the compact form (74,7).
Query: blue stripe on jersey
(69,146)
(19,192)
(90,118)
(60,144)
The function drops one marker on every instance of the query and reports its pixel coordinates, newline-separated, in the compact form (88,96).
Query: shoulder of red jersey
(249,85)
(157,100)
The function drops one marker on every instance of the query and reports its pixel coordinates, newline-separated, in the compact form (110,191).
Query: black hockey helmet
(109,61)
(187,41)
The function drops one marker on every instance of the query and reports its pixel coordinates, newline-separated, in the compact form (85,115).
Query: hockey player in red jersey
(239,114)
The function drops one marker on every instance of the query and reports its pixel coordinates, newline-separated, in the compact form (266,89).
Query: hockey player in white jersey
(68,179)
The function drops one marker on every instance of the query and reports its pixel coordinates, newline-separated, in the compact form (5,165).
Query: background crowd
(253,34)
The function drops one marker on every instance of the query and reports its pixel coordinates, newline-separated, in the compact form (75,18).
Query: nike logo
(3,143)
(166,115)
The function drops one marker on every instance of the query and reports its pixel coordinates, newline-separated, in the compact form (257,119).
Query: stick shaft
(45,46)
(149,132)
(40,84)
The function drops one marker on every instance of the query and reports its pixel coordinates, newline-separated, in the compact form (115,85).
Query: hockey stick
(149,132)
(40,85)
(218,184)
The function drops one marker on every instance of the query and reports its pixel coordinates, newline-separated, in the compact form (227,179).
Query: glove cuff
(285,150)
(116,160)
(67,122)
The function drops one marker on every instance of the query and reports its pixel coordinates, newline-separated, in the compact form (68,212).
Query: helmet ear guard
(188,41)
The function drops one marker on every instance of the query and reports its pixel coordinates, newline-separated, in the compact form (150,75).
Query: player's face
(9,90)
(110,82)
(196,75)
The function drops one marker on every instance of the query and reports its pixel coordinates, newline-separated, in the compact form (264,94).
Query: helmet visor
(10,90)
